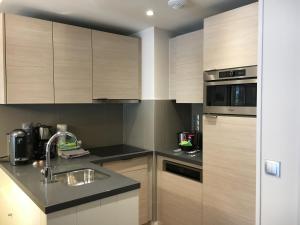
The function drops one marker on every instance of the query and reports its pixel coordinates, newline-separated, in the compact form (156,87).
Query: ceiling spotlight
(149,12)
(177,4)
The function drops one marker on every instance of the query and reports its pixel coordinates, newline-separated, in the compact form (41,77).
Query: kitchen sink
(79,177)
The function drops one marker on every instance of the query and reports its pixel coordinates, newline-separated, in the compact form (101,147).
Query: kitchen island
(24,199)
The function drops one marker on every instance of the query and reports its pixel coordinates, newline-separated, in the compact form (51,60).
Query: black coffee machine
(17,146)
(41,135)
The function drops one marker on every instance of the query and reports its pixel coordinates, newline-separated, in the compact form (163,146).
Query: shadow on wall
(153,124)
(95,124)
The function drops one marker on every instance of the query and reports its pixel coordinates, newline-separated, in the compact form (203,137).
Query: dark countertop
(182,156)
(57,196)
(118,152)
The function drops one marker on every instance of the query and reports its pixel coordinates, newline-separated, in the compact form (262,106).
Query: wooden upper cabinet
(29,60)
(231,38)
(72,64)
(115,66)
(186,73)
(229,170)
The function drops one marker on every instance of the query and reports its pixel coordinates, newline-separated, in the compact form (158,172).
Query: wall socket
(273,168)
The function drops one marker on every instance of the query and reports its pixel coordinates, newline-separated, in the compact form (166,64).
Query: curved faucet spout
(47,171)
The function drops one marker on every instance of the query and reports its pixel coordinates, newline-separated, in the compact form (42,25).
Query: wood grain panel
(142,177)
(172,89)
(179,199)
(115,66)
(2,61)
(231,38)
(187,73)
(229,170)
(129,165)
(137,169)
(29,60)
(72,64)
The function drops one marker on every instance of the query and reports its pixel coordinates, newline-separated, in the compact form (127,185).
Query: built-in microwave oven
(231,91)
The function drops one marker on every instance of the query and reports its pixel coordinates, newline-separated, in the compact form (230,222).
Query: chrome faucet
(47,171)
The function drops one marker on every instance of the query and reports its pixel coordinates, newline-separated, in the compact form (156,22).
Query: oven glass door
(233,93)
(218,95)
(243,95)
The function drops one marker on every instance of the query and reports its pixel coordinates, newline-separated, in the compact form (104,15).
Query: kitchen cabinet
(72,64)
(20,209)
(229,170)
(42,62)
(137,169)
(231,38)
(116,72)
(186,72)
(179,199)
(29,60)
(5,207)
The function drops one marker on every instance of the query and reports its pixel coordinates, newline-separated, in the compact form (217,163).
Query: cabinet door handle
(9,214)
(211,116)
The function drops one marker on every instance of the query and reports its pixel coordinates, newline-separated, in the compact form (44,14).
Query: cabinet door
(136,169)
(142,177)
(6,210)
(15,202)
(72,64)
(229,172)
(115,66)
(186,71)
(179,199)
(29,60)
(231,38)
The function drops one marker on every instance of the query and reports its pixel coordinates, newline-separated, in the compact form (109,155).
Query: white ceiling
(123,16)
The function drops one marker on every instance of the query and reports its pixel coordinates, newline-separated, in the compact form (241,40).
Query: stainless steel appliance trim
(230,110)
(230,82)
(251,71)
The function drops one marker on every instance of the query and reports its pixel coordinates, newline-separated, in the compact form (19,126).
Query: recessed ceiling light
(149,12)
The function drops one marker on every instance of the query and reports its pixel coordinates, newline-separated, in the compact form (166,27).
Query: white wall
(155,63)
(147,62)
(280,111)
(161,45)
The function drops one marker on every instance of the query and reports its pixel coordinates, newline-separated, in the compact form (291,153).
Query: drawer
(127,165)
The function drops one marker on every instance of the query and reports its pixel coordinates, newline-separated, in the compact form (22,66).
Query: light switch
(272,168)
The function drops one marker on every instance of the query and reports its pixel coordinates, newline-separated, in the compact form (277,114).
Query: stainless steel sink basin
(79,177)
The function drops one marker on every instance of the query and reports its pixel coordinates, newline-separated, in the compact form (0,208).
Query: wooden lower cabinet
(179,199)
(136,169)
(16,208)
(117,210)
(229,170)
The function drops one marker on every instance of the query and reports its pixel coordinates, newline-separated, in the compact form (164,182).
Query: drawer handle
(211,116)
(9,214)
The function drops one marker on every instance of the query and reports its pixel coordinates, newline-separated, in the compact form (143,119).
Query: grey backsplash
(139,124)
(150,124)
(170,118)
(153,124)
(197,112)
(96,125)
